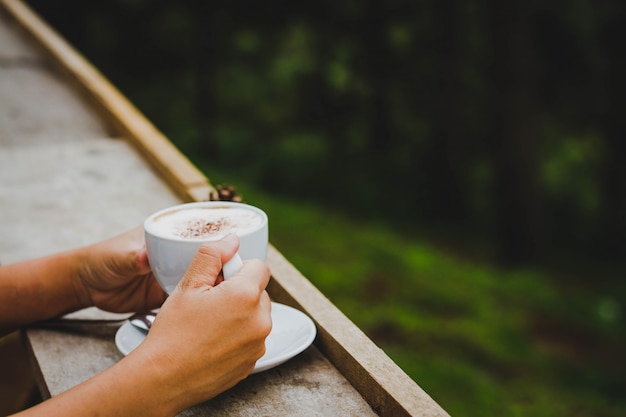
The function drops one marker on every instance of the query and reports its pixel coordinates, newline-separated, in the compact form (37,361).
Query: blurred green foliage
(451,174)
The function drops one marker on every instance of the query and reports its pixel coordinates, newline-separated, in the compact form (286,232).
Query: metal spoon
(143,321)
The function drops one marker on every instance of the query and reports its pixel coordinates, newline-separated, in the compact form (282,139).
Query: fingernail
(230,238)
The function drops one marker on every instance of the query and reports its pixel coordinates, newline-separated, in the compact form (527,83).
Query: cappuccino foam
(205,222)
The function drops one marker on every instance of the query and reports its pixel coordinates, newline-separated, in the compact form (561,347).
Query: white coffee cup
(173,235)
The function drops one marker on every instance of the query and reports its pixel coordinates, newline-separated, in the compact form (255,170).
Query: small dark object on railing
(224,193)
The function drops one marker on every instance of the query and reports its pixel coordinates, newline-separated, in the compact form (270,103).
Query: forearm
(39,289)
(136,386)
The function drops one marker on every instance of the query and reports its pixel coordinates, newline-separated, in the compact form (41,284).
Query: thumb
(141,264)
(207,263)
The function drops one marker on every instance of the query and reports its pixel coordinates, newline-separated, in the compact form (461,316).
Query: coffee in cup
(173,235)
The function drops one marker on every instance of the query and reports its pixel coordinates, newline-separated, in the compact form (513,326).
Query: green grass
(481,341)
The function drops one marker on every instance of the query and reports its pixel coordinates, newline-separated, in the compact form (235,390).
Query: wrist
(79,267)
(162,391)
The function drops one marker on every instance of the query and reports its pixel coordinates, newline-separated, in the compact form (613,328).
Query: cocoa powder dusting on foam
(201,228)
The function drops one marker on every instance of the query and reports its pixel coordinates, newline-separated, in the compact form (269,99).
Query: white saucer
(292,332)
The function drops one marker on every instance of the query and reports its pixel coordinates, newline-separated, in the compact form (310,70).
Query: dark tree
(613,225)
(512,140)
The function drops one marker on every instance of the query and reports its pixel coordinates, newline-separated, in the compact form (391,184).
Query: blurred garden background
(452,175)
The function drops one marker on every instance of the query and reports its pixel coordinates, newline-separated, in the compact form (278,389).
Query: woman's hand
(115,275)
(208,337)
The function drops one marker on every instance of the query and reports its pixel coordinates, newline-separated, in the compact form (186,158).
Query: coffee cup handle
(233,266)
